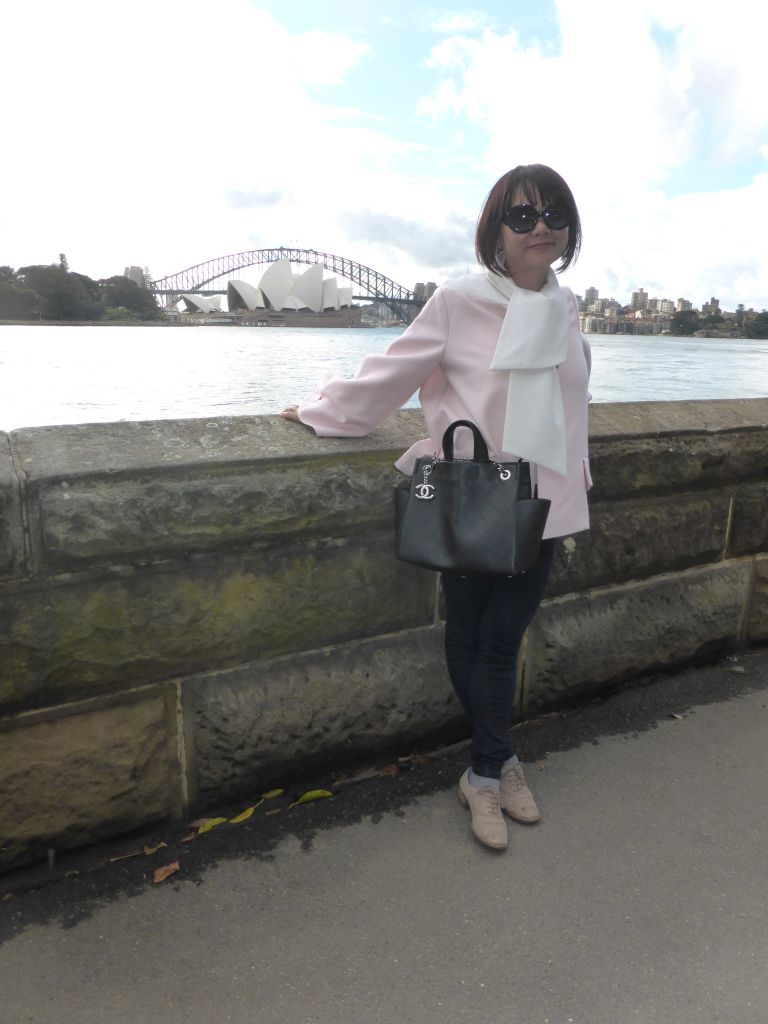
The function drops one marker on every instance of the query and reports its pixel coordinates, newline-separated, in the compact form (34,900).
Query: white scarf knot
(532,343)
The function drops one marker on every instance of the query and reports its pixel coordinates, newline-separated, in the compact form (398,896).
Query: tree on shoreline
(53,292)
(684,323)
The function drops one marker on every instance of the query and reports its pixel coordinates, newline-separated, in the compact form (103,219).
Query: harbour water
(72,374)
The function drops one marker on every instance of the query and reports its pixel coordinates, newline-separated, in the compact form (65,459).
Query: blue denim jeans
(486,617)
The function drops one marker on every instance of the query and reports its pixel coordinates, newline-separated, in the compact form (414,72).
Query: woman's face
(528,257)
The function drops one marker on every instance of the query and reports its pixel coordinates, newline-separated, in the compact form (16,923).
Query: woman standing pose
(503,349)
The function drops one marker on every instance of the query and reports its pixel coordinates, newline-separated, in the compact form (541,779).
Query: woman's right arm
(383,383)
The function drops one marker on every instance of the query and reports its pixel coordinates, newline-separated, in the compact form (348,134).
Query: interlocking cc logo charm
(425,491)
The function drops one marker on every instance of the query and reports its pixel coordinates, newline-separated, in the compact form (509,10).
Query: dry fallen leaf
(312,794)
(245,815)
(738,668)
(166,871)
(275,810)
(273,793)
(209,823)
(391,769)
(149,850)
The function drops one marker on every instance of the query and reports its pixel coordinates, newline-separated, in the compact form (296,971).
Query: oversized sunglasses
(524,218)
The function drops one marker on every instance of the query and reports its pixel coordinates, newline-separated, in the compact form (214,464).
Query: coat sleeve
(352,407)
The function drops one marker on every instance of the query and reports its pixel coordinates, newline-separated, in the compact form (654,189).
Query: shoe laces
(514,776)
(491,800)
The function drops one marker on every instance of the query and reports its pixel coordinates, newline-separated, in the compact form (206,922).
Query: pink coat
(445,355)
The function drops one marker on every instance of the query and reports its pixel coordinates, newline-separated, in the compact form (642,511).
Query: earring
(501,259)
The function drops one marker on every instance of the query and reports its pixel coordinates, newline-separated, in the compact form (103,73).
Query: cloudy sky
(164,133)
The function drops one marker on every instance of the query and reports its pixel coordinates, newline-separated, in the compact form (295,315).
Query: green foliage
(52,292)
(17,303)
(713,320)
(120,291)
(685,323)
(64,296)
(756,326)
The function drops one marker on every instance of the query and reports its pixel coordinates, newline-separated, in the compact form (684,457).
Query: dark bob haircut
(535,182)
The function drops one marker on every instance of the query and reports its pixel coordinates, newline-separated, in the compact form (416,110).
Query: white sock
(511,760)
(482,781)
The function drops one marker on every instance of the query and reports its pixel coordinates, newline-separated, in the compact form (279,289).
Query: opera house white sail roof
(279,288)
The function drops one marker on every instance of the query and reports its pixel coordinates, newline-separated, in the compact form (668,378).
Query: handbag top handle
(481,448)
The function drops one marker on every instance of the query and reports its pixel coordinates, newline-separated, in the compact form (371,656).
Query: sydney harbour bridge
(211,278)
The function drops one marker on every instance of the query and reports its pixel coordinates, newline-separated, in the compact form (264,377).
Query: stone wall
(193,609)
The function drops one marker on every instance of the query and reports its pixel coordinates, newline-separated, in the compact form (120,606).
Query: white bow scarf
(532,344)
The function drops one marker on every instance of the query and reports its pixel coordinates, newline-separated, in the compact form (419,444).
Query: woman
(501,348)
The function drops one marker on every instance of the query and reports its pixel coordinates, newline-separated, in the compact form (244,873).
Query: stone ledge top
(105,448)
(132,446)
(616,420)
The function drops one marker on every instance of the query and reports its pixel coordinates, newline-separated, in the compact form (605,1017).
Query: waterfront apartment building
(639,299)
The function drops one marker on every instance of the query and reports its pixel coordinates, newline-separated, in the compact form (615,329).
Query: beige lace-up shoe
(484,804)
(516,799)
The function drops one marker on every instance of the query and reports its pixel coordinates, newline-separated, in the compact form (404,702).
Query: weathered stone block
(113,520)
(581,642)
(89,773)
(757,620)
(633,539)
(99,449)
(628,467)
(749,531)
(657,419)
(11,529)
(74,637)
(254,723)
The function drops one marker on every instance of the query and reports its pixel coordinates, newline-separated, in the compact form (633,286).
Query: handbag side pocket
(401,491)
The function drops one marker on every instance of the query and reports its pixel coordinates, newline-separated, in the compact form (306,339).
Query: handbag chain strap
(425,491)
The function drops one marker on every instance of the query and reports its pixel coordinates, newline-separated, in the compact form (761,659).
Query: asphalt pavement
(640,898)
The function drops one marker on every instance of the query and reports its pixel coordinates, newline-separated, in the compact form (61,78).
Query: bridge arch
(373,285)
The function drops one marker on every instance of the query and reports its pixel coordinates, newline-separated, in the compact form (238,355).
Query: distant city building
(136,274)
(682,305)
(419,291)
(590,296)
(430,289)
(711,308)
(639,299)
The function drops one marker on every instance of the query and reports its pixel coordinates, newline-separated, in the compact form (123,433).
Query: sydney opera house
(283,298)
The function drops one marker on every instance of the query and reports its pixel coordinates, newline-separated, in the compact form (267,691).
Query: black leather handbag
(469,515)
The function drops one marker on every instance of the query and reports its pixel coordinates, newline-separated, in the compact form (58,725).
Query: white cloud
(618,111)
(468,21)
(171,133)
(131,135)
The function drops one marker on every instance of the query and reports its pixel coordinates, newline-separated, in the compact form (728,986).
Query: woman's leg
(486,617)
